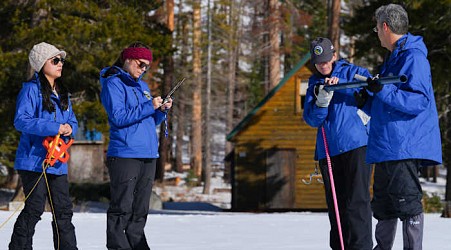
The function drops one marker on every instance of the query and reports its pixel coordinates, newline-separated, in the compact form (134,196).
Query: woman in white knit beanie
(43,110)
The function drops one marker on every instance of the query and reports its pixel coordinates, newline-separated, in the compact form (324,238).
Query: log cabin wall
(274,149)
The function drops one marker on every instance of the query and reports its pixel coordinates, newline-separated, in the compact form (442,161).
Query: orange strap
(56,149)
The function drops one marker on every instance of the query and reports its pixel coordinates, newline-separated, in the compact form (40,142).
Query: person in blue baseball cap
(322,50)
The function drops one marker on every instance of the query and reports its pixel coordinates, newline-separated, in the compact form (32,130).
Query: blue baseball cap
(321,50)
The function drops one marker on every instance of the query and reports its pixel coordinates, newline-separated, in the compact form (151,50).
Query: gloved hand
(373,85)
(323,96)
(360,98)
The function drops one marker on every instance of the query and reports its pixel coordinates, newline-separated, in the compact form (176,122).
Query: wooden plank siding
(276,125)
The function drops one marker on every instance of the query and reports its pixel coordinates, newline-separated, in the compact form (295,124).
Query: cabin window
(301,90)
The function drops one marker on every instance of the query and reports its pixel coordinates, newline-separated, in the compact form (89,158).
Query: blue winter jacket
(131,115)
(344,127)
(36,124)
(404,120)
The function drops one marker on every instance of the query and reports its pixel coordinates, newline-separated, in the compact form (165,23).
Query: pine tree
(91,32)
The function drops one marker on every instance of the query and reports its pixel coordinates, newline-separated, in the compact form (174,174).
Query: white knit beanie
(41,52)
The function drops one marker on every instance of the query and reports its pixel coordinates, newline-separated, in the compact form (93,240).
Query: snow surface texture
(222,231)
(200,230)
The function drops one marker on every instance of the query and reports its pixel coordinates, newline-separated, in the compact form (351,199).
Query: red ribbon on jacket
(56,149)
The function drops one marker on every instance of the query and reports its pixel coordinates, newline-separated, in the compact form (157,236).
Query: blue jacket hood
(115,71)
(410,41)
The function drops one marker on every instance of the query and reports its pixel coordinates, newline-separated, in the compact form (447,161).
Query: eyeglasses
(57,60)
(142,65)
(375,29)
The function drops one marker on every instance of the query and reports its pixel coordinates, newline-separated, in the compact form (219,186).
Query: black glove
(373,84)
(360,98)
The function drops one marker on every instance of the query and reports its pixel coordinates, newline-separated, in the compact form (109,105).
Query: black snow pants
(352,184)
(24,228)
(398,195)
(131,182)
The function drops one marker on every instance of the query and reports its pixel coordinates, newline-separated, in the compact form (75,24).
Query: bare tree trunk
(207,163)
(351,39)
(165,128)
(196,133)
(287,42)
(274,54)
(170,14)
(180,114)
(334,24)
(180,101)
(168,68)
(231,78)
(264,8)
(170,78)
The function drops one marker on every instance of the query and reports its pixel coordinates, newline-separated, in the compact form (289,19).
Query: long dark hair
(46,91)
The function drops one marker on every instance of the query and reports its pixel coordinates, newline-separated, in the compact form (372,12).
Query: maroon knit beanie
(137,53)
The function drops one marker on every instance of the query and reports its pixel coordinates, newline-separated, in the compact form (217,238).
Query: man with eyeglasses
(133,115)
(404,134)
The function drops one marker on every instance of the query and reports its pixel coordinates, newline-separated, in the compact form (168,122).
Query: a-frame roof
(249,116)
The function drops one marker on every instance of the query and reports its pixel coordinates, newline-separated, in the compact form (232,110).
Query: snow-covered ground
(222,231)
(200,230)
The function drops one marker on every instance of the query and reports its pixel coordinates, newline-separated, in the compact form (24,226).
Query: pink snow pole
(332,187)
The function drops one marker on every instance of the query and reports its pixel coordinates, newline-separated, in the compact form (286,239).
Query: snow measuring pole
(332,187)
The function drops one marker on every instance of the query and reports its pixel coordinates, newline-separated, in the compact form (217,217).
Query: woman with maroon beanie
(133,115)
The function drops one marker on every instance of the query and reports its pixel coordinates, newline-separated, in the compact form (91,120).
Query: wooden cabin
(274,150)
